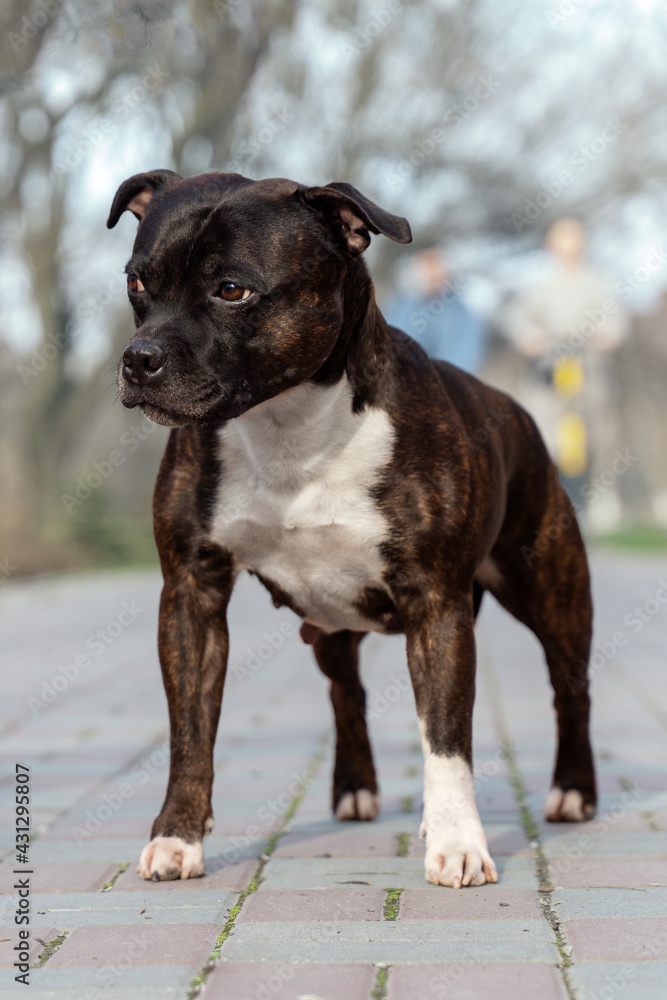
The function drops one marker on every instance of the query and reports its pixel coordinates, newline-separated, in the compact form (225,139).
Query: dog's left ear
(353,217)
(135,193)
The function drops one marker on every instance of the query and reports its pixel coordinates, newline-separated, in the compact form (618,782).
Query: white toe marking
(208,826)
(567,806)
(456,849)
(573,806)
(362,805)
(368,804)
(345,807)
(171,858)
(552,804)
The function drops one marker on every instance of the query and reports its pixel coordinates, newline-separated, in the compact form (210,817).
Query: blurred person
(646,373)
(568,326)
(434,315)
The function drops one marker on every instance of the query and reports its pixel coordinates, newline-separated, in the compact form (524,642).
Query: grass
(640,538)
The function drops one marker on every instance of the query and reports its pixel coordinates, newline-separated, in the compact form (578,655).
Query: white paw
(456,859)
(456,850)
(361,804)
(167,858)
(567,807)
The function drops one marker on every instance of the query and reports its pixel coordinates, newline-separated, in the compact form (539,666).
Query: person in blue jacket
(434,315)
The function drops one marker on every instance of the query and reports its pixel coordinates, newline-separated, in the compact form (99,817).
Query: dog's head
(236,287)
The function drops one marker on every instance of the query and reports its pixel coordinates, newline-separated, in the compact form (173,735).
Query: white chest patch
(295,503)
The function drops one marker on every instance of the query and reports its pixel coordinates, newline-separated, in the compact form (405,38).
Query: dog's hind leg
(547,587)
(355,790)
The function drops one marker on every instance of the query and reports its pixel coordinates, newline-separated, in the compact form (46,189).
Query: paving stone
(462,981)
(586,842)
(392,952)
(346,843)
(405,872)
(492,902)
(118,825)
(111,982)
(78,909)
(622,980)
(119,850)
(87,876)
(632,939)
(313,904)
(577,903)
(248,981)
(612,871)
(388,941)
(154,944)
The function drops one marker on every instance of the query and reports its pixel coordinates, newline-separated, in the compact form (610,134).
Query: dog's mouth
(167,418)
(205,410)
(169,413)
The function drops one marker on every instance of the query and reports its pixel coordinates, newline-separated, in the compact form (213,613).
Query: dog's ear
(352,216)
(135,193)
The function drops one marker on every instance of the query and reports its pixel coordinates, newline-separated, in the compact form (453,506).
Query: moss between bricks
(50,948)
(198,982)
(403,845)
(542,869)
(107,885)
(379,991)
(391,904)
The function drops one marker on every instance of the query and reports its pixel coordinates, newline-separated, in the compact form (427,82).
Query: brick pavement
(295,905)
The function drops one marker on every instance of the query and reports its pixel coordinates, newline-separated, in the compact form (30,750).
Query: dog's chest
(295,502)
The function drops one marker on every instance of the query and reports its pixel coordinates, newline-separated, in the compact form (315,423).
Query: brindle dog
(367,486)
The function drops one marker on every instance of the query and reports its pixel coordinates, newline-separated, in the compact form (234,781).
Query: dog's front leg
(193,645)
(441,657)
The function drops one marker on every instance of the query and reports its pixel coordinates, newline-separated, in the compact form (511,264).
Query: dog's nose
(143,361)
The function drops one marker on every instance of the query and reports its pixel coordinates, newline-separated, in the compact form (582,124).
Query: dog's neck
(362,348)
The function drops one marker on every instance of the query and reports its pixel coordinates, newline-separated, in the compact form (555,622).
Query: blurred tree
(214,50)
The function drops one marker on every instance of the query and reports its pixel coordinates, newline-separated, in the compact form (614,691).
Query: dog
(368,487)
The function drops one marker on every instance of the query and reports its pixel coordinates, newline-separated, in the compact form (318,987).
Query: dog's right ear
(135,193)
(353,217)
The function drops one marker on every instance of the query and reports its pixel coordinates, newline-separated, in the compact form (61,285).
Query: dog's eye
(134,283)
(230,291)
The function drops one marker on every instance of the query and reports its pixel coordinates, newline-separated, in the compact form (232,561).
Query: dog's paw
(362,804)
(567,807)
(456,860)
(167,858)
(456,849)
